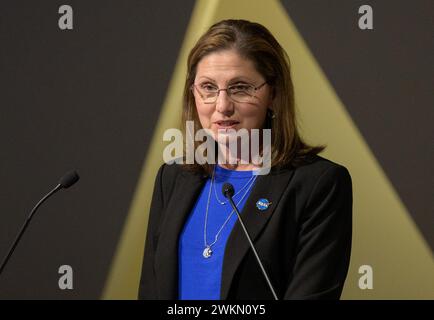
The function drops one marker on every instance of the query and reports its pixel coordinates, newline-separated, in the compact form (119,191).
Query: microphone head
(228,190)
(69,179)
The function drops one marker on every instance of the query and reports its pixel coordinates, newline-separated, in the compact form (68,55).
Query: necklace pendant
(207,252)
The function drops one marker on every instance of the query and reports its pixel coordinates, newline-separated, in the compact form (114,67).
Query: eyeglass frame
(226,89)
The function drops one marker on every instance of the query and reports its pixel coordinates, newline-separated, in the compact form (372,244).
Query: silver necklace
(224,202)
(207,252)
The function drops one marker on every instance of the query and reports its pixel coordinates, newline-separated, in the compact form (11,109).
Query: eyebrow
(236,79)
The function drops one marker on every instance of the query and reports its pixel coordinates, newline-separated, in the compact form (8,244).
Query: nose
(224,104)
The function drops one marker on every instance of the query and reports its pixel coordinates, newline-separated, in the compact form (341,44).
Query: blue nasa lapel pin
(263,204)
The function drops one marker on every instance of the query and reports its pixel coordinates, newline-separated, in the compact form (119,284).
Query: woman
(299,215)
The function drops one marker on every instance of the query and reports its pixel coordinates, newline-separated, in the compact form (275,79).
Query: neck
(239,165)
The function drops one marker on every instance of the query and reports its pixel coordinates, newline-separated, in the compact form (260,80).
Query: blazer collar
(187,189)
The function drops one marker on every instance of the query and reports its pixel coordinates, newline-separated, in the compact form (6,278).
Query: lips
(226,123)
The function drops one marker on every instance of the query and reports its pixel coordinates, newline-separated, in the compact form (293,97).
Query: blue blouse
(200,277)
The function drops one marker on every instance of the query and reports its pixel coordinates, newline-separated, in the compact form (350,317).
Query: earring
(271,114)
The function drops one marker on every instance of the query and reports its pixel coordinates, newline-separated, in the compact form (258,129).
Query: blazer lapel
(254,221)
(184,196)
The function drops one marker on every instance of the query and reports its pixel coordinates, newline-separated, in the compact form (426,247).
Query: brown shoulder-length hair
(254,42)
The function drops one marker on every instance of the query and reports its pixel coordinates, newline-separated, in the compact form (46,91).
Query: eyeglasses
(240,92)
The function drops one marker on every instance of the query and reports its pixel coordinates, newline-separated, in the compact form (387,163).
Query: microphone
(228,192)
(65,182)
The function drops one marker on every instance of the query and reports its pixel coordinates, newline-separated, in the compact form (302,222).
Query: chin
(226,138)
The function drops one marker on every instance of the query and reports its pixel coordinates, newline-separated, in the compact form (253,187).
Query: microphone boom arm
(24,227)
(65,182)
(252,246)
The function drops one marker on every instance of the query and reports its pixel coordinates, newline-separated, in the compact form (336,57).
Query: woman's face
(220,70)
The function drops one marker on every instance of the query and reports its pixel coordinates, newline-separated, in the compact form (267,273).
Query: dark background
(89,99)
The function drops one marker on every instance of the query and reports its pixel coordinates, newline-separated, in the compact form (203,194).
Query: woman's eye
(208,87)
(240,87)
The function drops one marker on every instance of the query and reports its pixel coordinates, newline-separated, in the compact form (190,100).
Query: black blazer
(303,238)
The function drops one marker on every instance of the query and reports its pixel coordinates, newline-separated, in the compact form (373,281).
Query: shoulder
(171,172)
(313,169)
(318,177)
(319,168)
(324,184)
